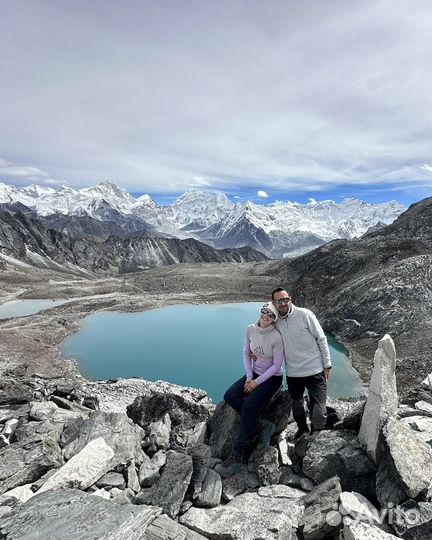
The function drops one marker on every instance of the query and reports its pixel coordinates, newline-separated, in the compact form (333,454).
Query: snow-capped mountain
(278,229)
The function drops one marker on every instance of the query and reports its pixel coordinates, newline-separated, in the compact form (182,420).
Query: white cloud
(337,93)
(427,168)
(262,194)
(13,171)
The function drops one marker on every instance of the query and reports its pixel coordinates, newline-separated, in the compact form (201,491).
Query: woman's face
(267,318)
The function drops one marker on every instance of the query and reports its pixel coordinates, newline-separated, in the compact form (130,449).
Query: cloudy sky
(286,98)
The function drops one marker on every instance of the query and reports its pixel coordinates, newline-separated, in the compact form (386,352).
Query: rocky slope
(26,239)
(377,284)
(131,459)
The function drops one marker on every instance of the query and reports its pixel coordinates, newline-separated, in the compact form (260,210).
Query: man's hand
(250,386)
(252,355)
(327,373)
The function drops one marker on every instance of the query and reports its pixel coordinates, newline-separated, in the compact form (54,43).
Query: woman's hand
(250,386)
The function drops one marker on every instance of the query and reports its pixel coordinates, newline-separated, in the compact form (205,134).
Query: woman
(263,378)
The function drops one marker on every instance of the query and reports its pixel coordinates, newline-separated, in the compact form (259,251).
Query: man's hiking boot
(268,430)
(302,426)
(232,465)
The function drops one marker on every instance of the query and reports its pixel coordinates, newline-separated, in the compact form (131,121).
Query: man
(307,360)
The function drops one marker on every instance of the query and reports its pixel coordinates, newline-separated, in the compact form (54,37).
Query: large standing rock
(339,453)
(411,458)
(320,505)
(185,410)
(120,432)
(169,491)
(382,401)
(84,468)
(75,515)
(23,463)
(247,517)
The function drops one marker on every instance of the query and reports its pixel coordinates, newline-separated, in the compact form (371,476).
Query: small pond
(190,345)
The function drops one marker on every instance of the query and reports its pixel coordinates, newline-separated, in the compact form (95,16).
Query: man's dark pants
(248,406)
(316,385)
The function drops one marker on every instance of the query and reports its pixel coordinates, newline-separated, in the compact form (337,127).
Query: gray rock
(422,425)
(149,470)
(413,520)
(164,528)
(186,408)
(125,496)
(84,468)
(359,508)
(247,517)
(120,432)
(197,435)
(267,466)
(387,487)
(21,493)
(320,517)
(3,441)
(235,485)
(281,492)
(23,463)
(410,456)
(356,530)
(38,430)
(307,484)
(42,410)
(339,453)
(158,434)
(101,493)
(75,515)
(423,407)
(10,427)
(200,455)
(132,477)
(169,491)
(349,413)
(289,478)
(223,429)
(382,401)
(111,479)
(211,490)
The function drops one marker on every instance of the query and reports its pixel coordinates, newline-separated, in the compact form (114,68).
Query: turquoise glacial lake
(190,345)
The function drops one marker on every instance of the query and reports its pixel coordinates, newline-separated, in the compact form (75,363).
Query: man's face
(282,301)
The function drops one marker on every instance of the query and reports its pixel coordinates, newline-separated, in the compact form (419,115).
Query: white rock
(42,410)
(427,383)
(283,449)
(10,427)
(159,432)
(356,530)
(359,508)
(22,493)
(421,425)
(198,435)
(102,493)
(83,469)
(423,406)
(281,492)
(382,401)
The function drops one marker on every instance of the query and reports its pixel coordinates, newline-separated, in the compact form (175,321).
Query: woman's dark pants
(248,406)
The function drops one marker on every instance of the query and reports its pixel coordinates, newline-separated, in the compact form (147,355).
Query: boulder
(164,528)
(357,530)
(149,470)
(320,517)
(281,492)
(247,517)
(23,463)
(339,453)
(21,493)
(267,466)
(84,468)
(211,490)
(382,401)
(410,457)
(359,508)
(185,409)
(413,520)
(222,432)
(75,515)
(120,432)
(168,492)
(132,477)
(424,407)
(42,410)
(200,455)
(422,425)
(238,483)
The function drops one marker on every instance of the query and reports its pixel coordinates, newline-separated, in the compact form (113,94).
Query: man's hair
(279,289)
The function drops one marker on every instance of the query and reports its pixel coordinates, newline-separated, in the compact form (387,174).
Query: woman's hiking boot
(232,465)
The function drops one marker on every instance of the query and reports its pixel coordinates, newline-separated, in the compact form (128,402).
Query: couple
(282,331)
